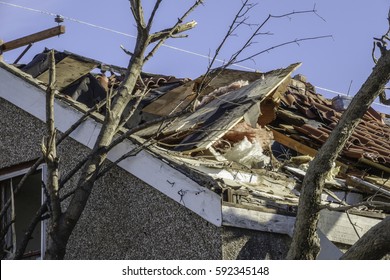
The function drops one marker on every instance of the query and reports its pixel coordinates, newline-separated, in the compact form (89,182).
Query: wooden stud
(39,36)
(299,147)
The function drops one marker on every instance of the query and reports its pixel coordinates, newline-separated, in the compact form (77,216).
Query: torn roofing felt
(78,79)
(210,122)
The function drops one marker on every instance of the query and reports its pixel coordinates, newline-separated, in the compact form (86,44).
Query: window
(26,203)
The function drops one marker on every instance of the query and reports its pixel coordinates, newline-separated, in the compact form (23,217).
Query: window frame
(16,173)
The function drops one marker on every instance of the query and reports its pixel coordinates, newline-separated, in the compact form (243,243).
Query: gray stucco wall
(124,218)
(20,134)
(245,244)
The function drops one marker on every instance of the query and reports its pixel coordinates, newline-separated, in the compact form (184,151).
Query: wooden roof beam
(39,36)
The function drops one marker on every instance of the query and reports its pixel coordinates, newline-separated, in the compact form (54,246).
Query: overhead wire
(116,32)
(165,45)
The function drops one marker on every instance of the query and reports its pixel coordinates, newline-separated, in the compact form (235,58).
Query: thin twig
(353,225)
(153,14)
(237,21)
(139,97)
(13,217)
(296,41)
(28,234)
(172,30)
(233,26)
(374,204)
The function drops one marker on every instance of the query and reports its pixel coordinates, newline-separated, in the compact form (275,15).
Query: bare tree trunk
(49,151)
(305,243)
(373,245)
(91,169)
(56,250)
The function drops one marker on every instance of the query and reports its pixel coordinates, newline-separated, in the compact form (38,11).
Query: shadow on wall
(243,244)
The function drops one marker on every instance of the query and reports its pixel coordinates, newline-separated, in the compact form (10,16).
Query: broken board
(178,98)
(336,226)
(211,121)
(68,70)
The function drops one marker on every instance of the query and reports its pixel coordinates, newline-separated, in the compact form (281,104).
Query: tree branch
(172,30)
(153,14)
(28,234)
(13,217)
(305,243)
(374,204)
(296,41)
(241,19)
(374,244)
(138,14)
(233,26)
(383,98)
(5,229)
(49,149)
(139,97)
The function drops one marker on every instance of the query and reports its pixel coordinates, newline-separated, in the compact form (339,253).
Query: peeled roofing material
(311,118)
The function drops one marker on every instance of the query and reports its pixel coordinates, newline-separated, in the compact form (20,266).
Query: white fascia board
(336,226)
(145,166)
(257,220)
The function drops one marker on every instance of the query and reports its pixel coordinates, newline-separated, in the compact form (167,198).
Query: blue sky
(330,63)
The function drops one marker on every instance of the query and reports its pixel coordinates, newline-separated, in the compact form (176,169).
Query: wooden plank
(359,183)
(293,144)
(259,208)
(68,70)
(256,220)
(172,101)
(299,147)
(375,165)
(378,181)
(335,225)
(36,37)
(178,98)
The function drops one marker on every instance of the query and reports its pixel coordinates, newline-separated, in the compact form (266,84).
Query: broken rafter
(39,36)
(299,147)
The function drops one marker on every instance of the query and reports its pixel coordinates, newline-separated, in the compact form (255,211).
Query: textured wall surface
(15,132)
(124,218)
(244,244)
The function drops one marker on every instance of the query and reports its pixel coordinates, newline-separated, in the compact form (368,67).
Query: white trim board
(146,167)
(334,225)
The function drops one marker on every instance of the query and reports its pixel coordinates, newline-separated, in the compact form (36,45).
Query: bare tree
(59,236)
(305,242)
(63,221)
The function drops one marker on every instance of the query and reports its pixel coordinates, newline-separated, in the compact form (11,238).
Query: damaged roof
(249,137)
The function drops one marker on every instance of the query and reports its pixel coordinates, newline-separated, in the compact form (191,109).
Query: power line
(118,32)
(344,94)
(165,45)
